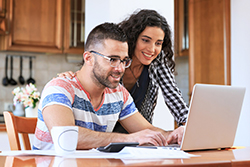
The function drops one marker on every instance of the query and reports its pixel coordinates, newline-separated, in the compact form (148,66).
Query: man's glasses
(114,61)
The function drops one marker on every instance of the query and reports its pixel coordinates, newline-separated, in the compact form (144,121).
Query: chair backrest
(19,125)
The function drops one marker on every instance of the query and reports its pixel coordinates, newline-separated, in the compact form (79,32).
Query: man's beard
(103,79)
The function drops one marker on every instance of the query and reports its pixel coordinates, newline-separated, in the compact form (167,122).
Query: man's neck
(94,90)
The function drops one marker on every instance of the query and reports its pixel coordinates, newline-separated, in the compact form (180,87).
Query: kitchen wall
(240,58)
(45,67)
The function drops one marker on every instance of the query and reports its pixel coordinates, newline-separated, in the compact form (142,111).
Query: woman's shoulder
(160,63)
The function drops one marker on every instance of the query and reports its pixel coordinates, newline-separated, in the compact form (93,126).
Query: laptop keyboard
(169,147)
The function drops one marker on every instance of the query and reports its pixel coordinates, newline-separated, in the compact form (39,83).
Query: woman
(150,47)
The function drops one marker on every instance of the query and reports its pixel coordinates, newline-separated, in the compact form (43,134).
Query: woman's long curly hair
(138,21)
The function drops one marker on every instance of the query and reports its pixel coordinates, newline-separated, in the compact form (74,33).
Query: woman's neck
(136,66)
(132,74)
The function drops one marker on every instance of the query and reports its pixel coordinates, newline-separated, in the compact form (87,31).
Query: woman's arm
(171,93)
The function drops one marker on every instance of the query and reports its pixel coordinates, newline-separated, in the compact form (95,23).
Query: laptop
(213,117)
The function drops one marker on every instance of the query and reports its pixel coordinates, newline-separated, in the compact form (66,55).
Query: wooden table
(222,158)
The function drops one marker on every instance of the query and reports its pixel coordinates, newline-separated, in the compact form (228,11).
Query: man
(94,100)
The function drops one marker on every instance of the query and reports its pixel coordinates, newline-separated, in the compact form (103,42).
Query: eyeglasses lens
(127,63)
(115,62)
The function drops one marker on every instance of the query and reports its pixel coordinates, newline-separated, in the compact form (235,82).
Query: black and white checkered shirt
(161,77)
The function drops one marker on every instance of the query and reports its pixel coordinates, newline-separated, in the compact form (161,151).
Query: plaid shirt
(161,76)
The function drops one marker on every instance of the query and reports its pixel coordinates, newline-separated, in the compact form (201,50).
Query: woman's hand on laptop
(176,136)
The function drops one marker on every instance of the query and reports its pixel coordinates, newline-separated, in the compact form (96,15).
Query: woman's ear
(88,58)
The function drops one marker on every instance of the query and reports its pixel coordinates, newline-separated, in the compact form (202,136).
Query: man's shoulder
(59,89)
(62,82)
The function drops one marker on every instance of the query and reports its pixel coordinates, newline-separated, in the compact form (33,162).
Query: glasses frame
(109,58)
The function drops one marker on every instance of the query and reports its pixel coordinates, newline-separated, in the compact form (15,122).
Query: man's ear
(88,58)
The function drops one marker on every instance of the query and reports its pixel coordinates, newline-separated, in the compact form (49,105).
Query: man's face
(103,73)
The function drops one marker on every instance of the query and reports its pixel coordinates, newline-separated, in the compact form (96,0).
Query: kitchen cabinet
(2,17)
(209,36)
(181,44)
(41,26)
(74,21)
(208,24)
(2,8)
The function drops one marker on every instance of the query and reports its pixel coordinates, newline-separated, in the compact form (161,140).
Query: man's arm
(137,122)
(58,115)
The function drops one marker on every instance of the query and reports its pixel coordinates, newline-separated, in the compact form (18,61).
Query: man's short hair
(102,32)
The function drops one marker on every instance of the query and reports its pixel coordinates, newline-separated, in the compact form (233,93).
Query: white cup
(65,139)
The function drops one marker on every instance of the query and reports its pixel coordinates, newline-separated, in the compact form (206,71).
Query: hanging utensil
(31,80)
(11,80)
(5,81)
(21,79)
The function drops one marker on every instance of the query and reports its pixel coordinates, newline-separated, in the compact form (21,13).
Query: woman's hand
(68,74)
(176,136)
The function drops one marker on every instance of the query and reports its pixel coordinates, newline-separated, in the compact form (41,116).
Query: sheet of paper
(126,153)
(147,153)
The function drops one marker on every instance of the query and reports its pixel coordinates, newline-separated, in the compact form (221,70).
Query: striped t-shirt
(117,104)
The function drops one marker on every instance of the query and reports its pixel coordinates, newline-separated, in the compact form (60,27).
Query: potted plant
(29,97)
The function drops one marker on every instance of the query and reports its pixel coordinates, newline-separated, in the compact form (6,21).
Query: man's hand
(176,136)
(148,136)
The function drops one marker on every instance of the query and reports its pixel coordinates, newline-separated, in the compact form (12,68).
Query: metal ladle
(11,80)
(20,78)
(5,81)
(31,80)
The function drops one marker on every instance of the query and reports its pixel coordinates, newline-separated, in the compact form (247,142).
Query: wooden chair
(15,125)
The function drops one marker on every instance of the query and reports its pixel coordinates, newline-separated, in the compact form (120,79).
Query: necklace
(137,79)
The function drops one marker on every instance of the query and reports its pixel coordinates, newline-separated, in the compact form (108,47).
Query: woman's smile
(149,44)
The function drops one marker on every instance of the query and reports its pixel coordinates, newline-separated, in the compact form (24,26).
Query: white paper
(147,153)
(126,153)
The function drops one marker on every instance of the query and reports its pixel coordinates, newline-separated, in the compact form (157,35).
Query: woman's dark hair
(138,21)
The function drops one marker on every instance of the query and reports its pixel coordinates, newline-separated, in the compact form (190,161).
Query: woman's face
(149,44)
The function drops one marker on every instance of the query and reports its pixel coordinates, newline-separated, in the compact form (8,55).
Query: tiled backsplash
(45,67)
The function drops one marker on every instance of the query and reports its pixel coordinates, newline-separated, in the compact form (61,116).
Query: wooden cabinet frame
(179,28)
(2,17)
(2,8)
(209,36)
(19,39)
(66,43)
(209,41)
(41,27)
